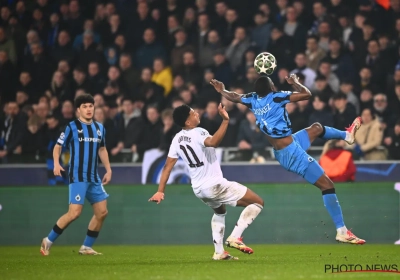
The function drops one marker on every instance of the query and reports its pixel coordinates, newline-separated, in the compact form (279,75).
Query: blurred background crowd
(140,59)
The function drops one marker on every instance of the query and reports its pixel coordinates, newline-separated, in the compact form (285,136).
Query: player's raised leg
(326,132)
(316,176)
(77,193)
(97,196)
(253,205)
(218,230)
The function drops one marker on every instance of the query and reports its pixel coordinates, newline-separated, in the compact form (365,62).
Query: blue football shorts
(93,192)
(294,158)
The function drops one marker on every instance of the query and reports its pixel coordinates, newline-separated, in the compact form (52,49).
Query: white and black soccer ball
(265,63)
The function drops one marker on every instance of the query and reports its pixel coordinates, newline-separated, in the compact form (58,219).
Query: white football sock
(348,136)
(342,230)
(246,218)
(218,230)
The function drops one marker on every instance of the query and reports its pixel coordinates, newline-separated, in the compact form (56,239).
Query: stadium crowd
(140,59)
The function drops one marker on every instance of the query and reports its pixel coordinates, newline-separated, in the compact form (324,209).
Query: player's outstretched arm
(216,139)
(103,155)
(56,158)
(230,95)
(301,93)
(159,195)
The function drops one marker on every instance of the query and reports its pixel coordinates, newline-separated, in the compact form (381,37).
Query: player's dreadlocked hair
(181,114)
(83,99)
(263,85)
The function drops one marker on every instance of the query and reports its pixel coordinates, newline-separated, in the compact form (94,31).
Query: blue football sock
(332,205)
(90,238)
(333,133)
(55,233)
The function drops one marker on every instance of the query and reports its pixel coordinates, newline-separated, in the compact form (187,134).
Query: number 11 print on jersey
(191,164)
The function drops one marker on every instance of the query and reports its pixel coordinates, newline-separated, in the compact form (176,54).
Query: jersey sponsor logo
(62,136)
(263,110)
(98,132)
(89,139)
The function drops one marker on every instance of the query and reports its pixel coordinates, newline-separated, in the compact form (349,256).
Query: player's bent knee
(324,183)
(317,128)
(102,214)
(74,214)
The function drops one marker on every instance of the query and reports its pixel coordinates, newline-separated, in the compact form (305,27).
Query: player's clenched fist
(223,113)
(57,169)
(157,197)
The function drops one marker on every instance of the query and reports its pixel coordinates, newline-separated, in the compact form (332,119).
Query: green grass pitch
(194,262)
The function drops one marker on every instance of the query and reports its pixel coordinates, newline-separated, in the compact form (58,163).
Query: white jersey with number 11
(202,161)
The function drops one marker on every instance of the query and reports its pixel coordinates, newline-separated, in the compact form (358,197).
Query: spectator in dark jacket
(128,126)
(32,146)
(345,112)
(392,142)
(250,138)
(64,49)
(149,50)
(342,64)
(190,70)
(169,130)
(322,115)
(12,134)
(261,33)
(211,119)
(149,136)
(222,69)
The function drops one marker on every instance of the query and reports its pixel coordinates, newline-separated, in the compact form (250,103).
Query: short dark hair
(339,96)
(263,85)
(80,69)
(313,37)
(83,99)
(181,114)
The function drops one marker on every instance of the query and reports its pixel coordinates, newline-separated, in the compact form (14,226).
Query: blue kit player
(85,139)
(268,106)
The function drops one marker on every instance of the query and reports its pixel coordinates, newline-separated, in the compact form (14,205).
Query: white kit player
(197,148)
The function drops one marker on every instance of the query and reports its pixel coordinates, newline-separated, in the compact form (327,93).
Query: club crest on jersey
(98,132)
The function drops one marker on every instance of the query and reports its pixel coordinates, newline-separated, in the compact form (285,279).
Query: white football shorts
(226,192)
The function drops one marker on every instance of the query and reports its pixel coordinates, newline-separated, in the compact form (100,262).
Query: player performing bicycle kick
(268,106)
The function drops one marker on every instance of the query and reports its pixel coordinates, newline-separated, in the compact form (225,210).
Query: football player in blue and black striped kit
(85,139)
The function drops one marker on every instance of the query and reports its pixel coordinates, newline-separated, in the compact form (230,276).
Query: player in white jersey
(197,148)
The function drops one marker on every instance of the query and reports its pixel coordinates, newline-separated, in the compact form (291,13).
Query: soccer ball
(265,63)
